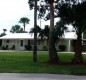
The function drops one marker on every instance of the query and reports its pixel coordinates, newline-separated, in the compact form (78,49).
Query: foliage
(33,29)
(72,14)
(43,7)
(60,29)
(46,31)
(84,34)
(43,33)
(4,30)
(62,47)
(16,29)
(28,47)
(2,34)
(25,21)
(46,9)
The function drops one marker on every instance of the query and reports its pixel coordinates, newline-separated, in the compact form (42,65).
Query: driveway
(30,76)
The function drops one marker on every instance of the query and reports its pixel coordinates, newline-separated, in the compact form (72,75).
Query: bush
(62,47)
(28,47)
(45,48)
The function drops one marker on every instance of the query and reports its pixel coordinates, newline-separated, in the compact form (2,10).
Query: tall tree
(49,11)
(52,50)
(53,57)
(25,21)
(16,29)
(33,3)
(35,33)
(72,14)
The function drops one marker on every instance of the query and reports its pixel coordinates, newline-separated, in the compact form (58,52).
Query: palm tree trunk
(78,49)
(53,57)
(35,33)
(24,26)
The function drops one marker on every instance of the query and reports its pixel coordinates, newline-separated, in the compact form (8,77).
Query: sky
(12,10)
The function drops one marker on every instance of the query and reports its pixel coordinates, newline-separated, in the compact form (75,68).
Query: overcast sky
(12,10)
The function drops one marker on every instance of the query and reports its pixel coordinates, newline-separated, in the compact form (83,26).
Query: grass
(21,62)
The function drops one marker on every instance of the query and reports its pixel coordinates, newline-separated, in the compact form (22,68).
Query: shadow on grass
(69,68)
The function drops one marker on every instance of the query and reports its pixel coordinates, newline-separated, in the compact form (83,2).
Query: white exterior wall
(16,43)
(39,47)
(68,44)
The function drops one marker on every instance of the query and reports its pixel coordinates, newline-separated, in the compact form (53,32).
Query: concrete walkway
(23,76)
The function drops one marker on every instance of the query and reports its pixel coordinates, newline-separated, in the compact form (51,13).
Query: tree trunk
(35,33)
(24,27)
(78,49)
(53,57)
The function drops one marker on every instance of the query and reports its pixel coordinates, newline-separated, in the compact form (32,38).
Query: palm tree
(45,32)
(4,30)
(35,32)
(25,21)
(33,29)
(33,3)
(53,57)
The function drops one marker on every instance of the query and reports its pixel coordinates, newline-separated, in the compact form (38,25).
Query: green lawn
(21,61)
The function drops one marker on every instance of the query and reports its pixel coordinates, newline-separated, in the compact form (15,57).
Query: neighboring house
(68,40)
(18,41)
(24,41)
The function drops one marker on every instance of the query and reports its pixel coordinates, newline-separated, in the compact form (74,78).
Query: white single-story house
(17,41)
(68,40)
(24,41)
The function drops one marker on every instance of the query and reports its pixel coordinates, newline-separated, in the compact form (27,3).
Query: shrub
(28,47)
(62,47)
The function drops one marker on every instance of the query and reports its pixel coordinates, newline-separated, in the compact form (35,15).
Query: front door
(21,45)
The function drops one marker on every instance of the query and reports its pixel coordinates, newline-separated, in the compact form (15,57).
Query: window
(7,41)
(21,43)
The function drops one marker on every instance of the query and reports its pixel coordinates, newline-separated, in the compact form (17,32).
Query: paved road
(22,76)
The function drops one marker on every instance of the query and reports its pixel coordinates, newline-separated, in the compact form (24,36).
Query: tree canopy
(16,29)
(24,21)
(73,14)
